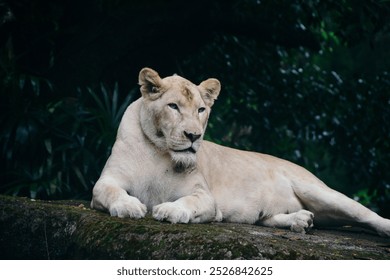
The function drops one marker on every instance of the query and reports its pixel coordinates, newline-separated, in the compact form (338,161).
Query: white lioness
(159,163)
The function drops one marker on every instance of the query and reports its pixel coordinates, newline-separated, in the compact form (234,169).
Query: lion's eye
(173,106)
(201,110)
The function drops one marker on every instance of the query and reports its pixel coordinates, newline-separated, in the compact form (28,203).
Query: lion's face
(175,113)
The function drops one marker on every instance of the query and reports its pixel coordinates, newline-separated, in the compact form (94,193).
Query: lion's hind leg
(332,208)
(300,221)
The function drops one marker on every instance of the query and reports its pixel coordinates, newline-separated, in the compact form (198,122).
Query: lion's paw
(128,206)
(172,212)
(302,221)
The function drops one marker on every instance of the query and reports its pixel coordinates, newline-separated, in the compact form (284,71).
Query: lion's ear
(210,90)
(150,83)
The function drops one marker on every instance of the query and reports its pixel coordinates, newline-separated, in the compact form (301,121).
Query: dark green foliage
(56,148)
(307,81)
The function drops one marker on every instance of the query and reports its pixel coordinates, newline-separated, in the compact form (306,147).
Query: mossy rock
(32,229)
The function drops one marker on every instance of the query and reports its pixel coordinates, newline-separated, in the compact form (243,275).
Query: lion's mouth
(188,150)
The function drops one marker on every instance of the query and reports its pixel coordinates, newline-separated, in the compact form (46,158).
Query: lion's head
(175,112)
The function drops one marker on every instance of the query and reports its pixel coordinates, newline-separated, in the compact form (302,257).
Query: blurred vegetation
(307,81)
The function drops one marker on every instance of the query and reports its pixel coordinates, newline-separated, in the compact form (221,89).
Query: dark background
(307,81)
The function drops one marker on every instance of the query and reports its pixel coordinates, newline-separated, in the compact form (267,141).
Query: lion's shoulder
(130,123)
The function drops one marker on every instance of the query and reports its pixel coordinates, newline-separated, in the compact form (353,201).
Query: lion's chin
(183,160)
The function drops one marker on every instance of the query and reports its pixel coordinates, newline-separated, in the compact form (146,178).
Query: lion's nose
(192,136)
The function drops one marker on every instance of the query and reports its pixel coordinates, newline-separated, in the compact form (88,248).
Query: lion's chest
(154,188)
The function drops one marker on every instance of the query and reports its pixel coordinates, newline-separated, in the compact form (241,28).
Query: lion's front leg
(115,200)
(198,207)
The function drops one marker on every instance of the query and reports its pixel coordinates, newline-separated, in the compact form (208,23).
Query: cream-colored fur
(160,163)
